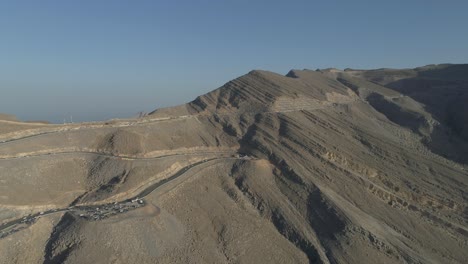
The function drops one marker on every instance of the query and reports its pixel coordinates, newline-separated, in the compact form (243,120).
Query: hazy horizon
(97,61)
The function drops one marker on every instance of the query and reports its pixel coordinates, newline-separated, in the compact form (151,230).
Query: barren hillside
(323,166)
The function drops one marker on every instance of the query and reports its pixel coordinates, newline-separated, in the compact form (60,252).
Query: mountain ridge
(318,166)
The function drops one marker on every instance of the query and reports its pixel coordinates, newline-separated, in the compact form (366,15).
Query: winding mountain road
(107,208)
(110,155)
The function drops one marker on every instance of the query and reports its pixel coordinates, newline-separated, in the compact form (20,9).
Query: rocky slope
(323,166)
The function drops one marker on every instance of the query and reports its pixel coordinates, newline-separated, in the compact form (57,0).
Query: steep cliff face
(441,89)
(357,162)
(262,91)
(321,166)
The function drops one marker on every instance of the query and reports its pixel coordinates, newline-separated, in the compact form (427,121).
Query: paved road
(119,123)
(110,155)
(101,211)
(85,126)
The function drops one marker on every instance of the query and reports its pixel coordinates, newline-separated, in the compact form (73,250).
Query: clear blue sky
(102,59)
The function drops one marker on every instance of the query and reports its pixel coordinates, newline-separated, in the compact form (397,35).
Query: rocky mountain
(324,166)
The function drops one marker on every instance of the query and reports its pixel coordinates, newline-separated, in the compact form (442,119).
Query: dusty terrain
(326,166)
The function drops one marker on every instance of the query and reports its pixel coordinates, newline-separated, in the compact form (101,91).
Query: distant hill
(7,117)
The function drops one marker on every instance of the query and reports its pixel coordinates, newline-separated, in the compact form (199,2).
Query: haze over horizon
(104,60)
